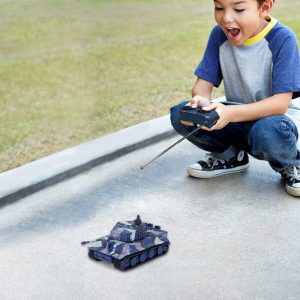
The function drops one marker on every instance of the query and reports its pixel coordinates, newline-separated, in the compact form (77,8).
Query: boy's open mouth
(233,32)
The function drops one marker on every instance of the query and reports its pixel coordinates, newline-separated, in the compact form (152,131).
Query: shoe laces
(292,172)
(212,160)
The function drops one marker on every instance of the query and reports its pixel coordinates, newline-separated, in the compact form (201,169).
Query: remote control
(198,116)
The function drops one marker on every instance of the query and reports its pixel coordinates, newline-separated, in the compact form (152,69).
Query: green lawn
(75,70)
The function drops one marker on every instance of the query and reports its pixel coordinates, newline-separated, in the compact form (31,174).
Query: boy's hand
(224,113)
(197,101)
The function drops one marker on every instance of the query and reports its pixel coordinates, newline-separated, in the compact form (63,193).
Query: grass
(74,70)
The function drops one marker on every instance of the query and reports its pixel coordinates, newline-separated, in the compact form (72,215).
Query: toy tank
(129,243)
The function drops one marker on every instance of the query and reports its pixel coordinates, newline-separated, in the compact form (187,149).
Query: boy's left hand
(224,113)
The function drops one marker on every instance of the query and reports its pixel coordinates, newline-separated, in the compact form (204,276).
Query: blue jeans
(271,138)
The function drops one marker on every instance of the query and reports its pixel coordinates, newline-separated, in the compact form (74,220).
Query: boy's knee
(273,134)
(175,120)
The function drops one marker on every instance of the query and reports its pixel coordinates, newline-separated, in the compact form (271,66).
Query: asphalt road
(232,237)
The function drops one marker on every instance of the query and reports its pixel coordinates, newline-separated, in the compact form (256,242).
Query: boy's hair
(260,2)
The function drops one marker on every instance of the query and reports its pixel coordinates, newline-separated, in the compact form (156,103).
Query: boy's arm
(201,93)
(274,105)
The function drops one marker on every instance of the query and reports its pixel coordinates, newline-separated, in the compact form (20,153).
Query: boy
(258,59)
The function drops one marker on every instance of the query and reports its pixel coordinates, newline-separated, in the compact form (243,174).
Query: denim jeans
(271,138)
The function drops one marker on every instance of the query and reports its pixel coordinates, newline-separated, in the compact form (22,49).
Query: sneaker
(292,177)
(212,166)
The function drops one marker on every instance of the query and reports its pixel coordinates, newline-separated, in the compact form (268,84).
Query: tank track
(92,256)
(125,263)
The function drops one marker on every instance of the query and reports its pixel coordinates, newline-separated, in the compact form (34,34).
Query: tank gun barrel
(87,242)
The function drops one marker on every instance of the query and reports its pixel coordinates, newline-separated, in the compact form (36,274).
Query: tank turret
(129,243)
(129,231)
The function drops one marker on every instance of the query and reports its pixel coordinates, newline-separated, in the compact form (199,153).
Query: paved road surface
(233,237)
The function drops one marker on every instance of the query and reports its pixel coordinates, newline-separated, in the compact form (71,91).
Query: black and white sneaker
(292,177)
(212,166)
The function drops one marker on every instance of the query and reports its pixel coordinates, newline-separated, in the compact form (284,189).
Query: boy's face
(240,19)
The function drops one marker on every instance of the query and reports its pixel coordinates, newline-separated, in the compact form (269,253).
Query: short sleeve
(286,62)
(209,68)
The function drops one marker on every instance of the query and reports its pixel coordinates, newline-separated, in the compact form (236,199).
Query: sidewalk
(232,237)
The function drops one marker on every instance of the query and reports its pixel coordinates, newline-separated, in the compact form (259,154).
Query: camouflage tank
(129,243)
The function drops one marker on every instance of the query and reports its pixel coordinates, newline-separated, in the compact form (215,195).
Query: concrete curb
(18,183)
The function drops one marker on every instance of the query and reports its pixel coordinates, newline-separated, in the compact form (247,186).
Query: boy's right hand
(197,101)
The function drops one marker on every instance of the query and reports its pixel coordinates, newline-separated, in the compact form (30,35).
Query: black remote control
(198,116)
